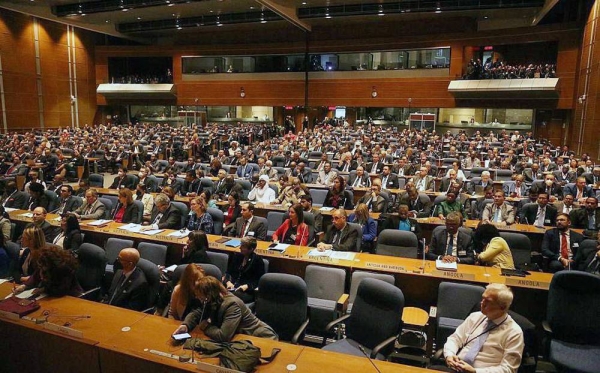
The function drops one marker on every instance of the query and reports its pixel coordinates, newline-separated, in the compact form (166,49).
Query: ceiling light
(327,13)
(304,3)
(125,9)
(380,13)
(262,18)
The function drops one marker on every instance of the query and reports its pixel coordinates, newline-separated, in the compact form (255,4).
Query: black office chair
(325,295)
(394,242)
(573,322)
(375,321)
(282,302)
(153,277)
(92,264)
(455,302)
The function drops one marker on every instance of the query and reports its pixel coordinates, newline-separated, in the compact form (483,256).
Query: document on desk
(444,266)
(26,295)
(342,255)
(152,232)
(99,222)
(9,209)
(131,227)
(280,247)
(326,209)
(179,233)
(27,215)
(316,252)
(233,243)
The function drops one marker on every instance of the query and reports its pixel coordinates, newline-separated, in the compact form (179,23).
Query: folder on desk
(280,247)
(444,266)
(233,243)
(99,223)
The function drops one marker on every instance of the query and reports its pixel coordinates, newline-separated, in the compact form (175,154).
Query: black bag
(238,355)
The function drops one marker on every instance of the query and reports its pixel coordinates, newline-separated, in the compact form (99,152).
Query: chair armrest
(300,331)
(342,304)
(91,294)
(546,327)
(336,321)
(150,310)
(382,345)
(439,355)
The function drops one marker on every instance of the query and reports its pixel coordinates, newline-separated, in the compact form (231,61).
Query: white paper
(3,280)
(316,252)
(179,233)
(343,255)
(26,294)
(281,247)
(170,268)
(9,209)
(326,209)
(27,215)
(443,266)
(131,227)
(152,232)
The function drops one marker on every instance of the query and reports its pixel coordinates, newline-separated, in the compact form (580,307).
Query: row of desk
(111,339)
(418,279)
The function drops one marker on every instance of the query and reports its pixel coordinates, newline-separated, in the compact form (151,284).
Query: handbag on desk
(19,306)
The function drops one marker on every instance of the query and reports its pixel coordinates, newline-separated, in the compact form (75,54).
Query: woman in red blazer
(294,230)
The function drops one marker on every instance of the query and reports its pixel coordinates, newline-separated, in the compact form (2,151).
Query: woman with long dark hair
(337,196)
(195,249)
(294,230)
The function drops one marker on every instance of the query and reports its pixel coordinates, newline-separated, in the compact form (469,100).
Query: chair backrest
(520,247)
(183,208)
(53,200)
(359,276)
(450,292)
(448,161)
(154,185)
(504,175)
(376,313)
(156,253)
(153,277)
(282,303)
(108,206)
(207,184)
(96,181)
(574,306)
(318,196)
(13,250)
(218,219)
(397,243)
(359,234)
(140,214)
(274,221)
(92,264)
(325,282)
(476,171)
(114,246)
(219,259)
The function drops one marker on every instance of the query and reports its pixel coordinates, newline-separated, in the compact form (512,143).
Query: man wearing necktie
(588,217)
(540,213)
(450,244)
(499,212)
(129,288)
(560,244)
(489,340)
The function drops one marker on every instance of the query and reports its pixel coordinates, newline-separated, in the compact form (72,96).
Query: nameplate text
(522,282)
(454,275)
(385,267)
(9,315)
(63,330)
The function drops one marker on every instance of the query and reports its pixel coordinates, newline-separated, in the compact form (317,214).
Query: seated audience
(294,230)
(340,236)
(450,244)
(129,288)
(244,271)
(494,249)
(369,227)
(560,244)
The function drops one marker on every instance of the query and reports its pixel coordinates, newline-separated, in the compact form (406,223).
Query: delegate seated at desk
(227,314)
(499,212)
(450,244)
(539,214)
(92,208)
(123,180)
(164,215)
(129,287)
(561,244)
(244,271)
(419,204)
(402,222)
(487,341)
(247,225)
(340,236)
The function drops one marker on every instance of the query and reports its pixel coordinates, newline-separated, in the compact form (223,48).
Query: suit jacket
(391,182)
(248,274)
(445,184)
(257,228)
(471,187)
(584,257)
(124,182)
(393,222)
(72,241)
(378,167)
(591,179)
(171,218)
(551,243)
(132,294)
(422,205)
(378,205)
(326,179)
(439,244)
(244,172)
(555,190)
(429,182)
(365,180)
(96,210)
(529,213)
(70,204)
(572,189)
(529,175)
(150,184)
(347,240)
(408,170)
(507,213)
(50,231)
(510,188)
(580,220)
(16,200)
(193,187)
(561,205)
(564,179)
(176,185)
(42,201)
(130,215)
(353,165)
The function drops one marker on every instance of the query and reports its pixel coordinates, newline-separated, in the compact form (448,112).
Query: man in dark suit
(588,257)
(191,186)
(423,182)
(17,168)
(402,222)
(594,177)
(129,288)
(551,187)
(13,198)
(247,225)
(360,179)
(587,218)
(374,200)
(447,182)
(515,189)
(92,208)
(450,244)
(340,236)
(539,214)
(149,182)
(564,175)
(302,173)
(138,154)
(347,164)
(67,202)
(560,244)
(375,167)
(419,204)
(123,180)
(403,168)
(37,198)
(388,179)
(534,173)
(244,171)
(164,215)
(39,220)
(579,190)
(171,180)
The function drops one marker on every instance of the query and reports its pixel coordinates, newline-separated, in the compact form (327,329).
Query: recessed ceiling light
(304,3)
(251,7)
(485,17)
(171,4)
(125,9)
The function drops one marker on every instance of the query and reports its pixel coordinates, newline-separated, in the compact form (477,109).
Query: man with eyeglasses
(67,202)
(247,225)
(91,208)
(340,236)
(499,212)
(34,178)
(129,287)
(164,215)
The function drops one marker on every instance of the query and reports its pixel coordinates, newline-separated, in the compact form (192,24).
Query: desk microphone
(362,349)
(423,265)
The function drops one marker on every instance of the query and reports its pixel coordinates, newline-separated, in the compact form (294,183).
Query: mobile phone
(181,337)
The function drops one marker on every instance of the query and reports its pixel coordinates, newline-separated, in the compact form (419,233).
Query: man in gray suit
(499,212)
(92,208)
(340,236)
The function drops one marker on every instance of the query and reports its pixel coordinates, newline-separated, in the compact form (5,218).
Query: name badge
(250,234)
(462,253)
(547,221)
(412,229)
